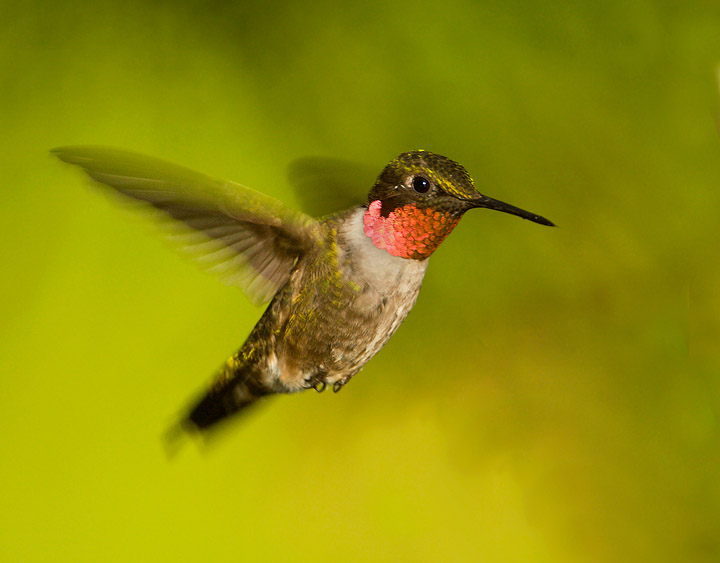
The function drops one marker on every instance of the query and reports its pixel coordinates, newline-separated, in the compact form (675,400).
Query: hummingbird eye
(420,184)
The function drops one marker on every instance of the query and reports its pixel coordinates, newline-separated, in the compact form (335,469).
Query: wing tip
(74,154)
(61,152)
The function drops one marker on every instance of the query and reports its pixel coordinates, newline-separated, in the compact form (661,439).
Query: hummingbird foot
(340,384)
(317,382)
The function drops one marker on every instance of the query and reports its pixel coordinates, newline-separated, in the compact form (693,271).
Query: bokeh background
(554,395)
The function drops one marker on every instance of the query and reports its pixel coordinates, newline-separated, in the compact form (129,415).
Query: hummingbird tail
(233,395)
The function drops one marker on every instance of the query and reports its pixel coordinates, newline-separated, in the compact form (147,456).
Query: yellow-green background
(554,395)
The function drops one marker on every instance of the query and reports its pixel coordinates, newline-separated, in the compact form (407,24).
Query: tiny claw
(337,386)
(315,382)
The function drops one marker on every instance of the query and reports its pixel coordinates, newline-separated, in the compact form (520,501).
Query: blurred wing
(249,239)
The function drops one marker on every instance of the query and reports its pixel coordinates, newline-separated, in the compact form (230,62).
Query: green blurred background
(554,395)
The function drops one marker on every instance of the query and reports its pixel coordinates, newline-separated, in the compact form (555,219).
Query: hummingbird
(338,286)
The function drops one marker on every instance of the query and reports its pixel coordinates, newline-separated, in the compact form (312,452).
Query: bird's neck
(408,231)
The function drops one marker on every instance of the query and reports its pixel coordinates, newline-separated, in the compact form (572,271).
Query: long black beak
(490,203)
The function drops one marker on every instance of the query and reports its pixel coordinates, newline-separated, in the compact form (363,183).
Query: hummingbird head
(419,198)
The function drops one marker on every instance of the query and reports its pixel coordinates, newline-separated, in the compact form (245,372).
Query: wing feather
(249,239)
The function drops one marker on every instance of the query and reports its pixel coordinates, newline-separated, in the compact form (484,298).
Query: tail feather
(236,388)
(211,409)
(224,400)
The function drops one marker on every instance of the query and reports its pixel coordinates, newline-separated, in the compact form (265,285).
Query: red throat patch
(408,232)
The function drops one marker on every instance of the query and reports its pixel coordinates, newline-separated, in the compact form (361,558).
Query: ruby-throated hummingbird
(339,286)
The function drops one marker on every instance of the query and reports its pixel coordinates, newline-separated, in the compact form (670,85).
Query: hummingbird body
(341,304)
(339,286)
